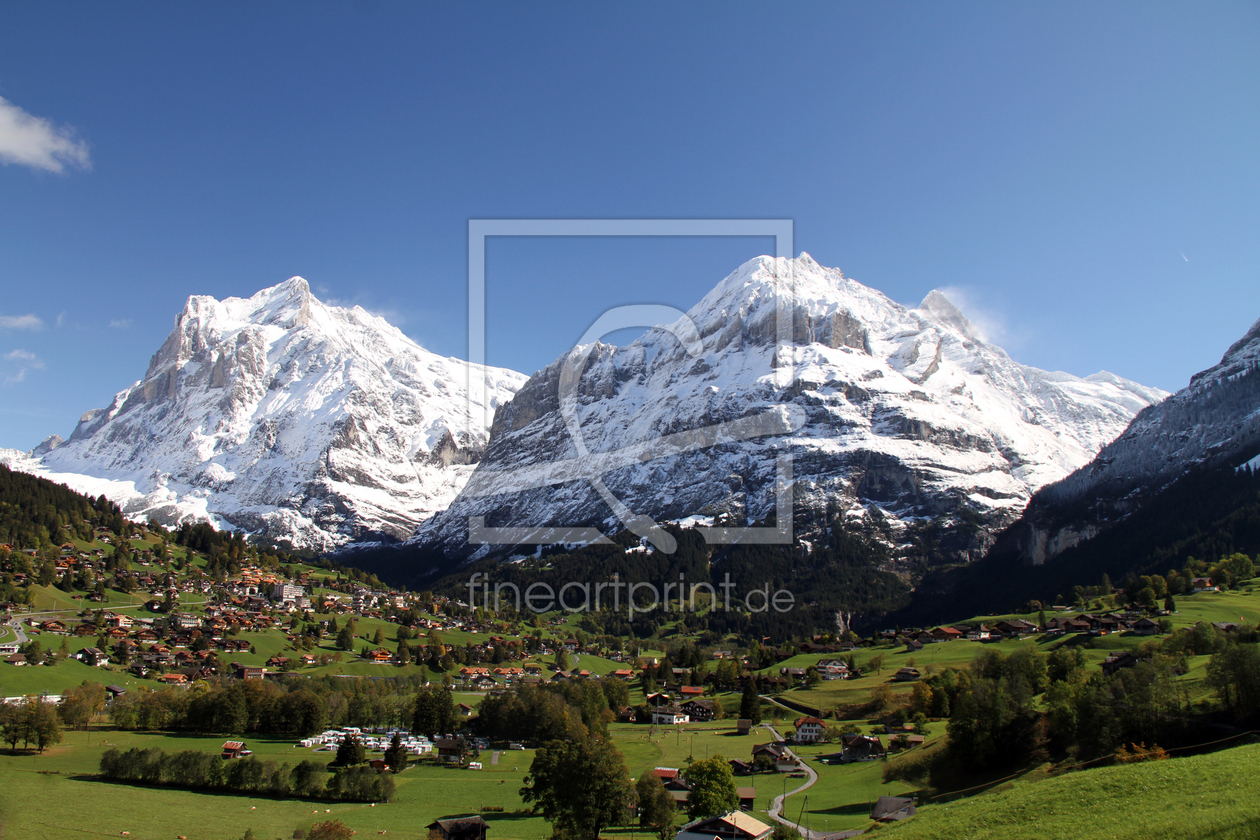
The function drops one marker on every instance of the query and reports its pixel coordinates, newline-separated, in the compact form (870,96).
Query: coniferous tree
(750,702)
(349,752)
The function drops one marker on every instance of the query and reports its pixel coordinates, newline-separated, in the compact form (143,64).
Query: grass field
(843,796)
(36,679)
(37,789)
(1206,797)
(35,784)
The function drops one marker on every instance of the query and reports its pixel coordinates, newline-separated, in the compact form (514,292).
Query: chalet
(913,646)
(665,774)
(1076,625)
(747,798)
(659,698)
(52,627)
(1202,584)
(735,825)
(623,674)
(691,691)
(740,768)
(700,710)
(174,679)
(244,672)
(794,674)
(832,669)
(776,752)
(626,714)
(861,748)
(1015,627)
(16,659)
(980,633)
(809,730)
(743,726)
(449,750)
(1145,627)
(906,674)
(892,808)
(946,634)
(904,741)
(234,749)
(669,716)
(462,828)
(465,710)
(1118,660)
(379,655)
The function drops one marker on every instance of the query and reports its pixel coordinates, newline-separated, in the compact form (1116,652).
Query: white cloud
(120,323)
(21,322)
(34,141)
(18,362)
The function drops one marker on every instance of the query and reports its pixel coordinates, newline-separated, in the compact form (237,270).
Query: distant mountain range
(1182,481)
(1212,422)
(307,424)
(322,427)
(900,414)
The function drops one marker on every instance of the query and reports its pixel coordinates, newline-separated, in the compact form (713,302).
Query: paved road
(15,624)
(776,807)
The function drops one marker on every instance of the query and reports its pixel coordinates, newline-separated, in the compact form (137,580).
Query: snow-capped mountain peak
(907,410)
(284,416)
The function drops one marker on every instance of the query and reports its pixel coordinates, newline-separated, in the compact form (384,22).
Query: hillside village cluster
(192,625)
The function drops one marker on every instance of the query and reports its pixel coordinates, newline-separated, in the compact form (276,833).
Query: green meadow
(54,796)
(1205,797)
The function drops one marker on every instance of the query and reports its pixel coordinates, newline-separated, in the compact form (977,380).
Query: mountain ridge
(309,424)
(907,411)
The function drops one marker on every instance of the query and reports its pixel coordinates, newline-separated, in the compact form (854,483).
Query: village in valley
(145,645)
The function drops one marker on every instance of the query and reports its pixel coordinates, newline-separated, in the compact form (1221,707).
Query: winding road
(776,806)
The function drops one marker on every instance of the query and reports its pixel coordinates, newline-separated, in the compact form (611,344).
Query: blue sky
(1085,175)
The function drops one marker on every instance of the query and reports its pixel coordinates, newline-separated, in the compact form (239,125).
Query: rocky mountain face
(891,413)
(282,416)
(1212,422)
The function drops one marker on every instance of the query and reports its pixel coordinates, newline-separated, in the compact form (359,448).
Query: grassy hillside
(1207,797)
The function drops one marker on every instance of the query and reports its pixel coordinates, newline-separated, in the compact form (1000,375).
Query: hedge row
(205,771)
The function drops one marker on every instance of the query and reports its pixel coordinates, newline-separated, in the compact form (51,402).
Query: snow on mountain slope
(1214,421)
(905,410)
(285,417)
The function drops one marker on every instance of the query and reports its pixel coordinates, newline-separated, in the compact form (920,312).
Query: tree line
(995,722)
(195,770)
